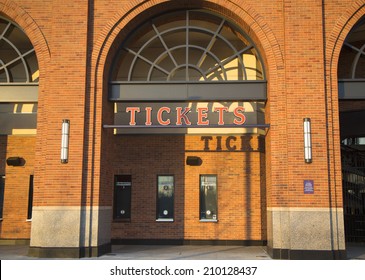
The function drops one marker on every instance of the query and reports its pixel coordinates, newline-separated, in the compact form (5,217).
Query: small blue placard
(308,187)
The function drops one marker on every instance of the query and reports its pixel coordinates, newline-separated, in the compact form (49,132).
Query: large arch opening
(351,76)
(19,76)
(187,156)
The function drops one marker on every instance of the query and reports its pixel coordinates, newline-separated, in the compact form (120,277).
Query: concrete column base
(306,233)
(70,231)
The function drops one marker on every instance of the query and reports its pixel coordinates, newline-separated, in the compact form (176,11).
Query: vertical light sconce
(64,141)
(307,140)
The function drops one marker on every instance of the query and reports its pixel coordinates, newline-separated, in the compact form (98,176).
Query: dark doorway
(353,168)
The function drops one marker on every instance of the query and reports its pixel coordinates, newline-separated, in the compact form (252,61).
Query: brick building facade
(258,175)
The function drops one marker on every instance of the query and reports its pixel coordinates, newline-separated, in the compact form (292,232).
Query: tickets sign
(180,116)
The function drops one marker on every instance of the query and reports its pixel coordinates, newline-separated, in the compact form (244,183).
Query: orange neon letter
(202,115)
(159,116)
(240,117)
(148,116)
(133,110)
(220,111)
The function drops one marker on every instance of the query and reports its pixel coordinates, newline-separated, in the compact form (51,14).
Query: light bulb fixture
(65,140)
(307,140)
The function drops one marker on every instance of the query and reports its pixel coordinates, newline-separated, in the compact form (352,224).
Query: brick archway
(27,146)
(100,111)
(344,156)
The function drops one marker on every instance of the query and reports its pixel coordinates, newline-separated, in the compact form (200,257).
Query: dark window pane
(122,196)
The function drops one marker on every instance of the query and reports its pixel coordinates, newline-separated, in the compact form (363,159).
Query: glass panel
(198,38)
(19,39)
(222,50)
(165,197)
(236,39)
(208,197)
(140,70)
(178,74)
(208,62)
(195,75)
(179,55)
(123,66)
(195,55)
(3,77)
(154,50)
(360,68)
(346,59)
(3,25)
(204,20)
(158,76)
(7,52)
(166,63)
(170,21)
(122,196)
(258,67)
(17,72)
(175,38)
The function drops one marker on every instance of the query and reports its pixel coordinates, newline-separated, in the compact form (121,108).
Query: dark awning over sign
(351,89)
(19,93)
(188,117)
(245,91)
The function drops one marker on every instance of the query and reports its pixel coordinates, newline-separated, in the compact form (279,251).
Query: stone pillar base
(70,231)
(300,233)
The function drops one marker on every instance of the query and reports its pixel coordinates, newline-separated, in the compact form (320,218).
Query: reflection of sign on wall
(230,143)
(308,186)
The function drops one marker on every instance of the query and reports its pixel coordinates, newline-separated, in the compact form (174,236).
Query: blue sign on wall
(308,186)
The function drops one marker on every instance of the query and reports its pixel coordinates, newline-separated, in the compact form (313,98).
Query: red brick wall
(300,49)
(15,224)
(239,175)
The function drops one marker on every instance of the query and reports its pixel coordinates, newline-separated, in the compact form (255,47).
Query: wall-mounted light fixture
(65,140)
(15,161)
(307,140)
(194,161)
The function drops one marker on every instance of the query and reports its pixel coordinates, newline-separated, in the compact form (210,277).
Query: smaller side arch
(339,33)
(16,13)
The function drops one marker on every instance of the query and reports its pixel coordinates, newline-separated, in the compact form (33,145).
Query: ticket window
(165,198)
(208,198)
(122,197)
